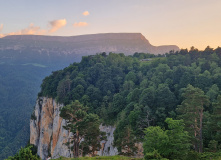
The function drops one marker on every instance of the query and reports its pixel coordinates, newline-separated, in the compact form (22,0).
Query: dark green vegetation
(172,143)
(27,153)
(18,85)
(20,79)
(134,95)
(83,126)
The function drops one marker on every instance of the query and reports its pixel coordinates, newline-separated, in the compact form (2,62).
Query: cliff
(48,134)
(127,43)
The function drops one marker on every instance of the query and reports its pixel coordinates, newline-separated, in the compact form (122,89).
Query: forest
(171,102)
(20,80)
(18,85)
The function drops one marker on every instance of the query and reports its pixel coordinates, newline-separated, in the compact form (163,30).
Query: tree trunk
(77,149)
(201,131)
(76,145)
(195,135)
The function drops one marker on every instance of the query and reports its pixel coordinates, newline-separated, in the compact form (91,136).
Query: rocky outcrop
(48,134)
(46,131)
(107,148)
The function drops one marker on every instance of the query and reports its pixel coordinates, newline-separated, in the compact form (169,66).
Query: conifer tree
(191,111)
(84,128)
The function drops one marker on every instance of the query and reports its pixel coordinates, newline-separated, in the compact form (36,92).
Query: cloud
(36,30)
(30,30)
(86,13)
(57,24)
(1,27)
(80,24)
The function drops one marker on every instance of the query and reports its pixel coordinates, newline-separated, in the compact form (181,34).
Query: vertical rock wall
(46,129)
(48,134)
(107,148)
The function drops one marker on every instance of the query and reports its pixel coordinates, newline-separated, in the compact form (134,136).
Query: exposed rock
(48,134)
(139,150)
(107,148)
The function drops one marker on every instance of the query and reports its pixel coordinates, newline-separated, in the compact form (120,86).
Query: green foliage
(153,155)
(20,78)
(24,154)
(134,94)
(210,155)
(83,126)
(172,143)
(155,139)
(127,142)
(93,136)
(19,86)
(193,155)
(191,111)
(215,122)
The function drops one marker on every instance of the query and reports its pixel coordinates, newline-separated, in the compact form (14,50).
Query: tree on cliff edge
(80,124)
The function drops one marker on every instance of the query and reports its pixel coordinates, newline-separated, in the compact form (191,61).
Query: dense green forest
(178,92)
(19,85)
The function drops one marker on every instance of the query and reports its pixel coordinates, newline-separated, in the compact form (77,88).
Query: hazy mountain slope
(127,43)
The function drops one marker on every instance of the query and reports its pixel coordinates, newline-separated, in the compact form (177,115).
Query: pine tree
(191,111)
(84,128)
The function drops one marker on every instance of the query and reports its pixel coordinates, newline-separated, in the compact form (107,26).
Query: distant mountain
(127,43)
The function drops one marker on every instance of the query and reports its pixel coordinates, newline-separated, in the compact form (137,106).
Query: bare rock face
(107,148)
(46,130)
(48,134)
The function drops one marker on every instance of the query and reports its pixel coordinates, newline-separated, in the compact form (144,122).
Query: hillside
(131,95)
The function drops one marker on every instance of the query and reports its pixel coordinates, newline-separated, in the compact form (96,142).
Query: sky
(184,23)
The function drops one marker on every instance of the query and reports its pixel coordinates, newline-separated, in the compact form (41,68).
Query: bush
(24,154)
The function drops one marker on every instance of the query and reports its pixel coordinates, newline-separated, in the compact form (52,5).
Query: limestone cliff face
(48,134)
(46,131)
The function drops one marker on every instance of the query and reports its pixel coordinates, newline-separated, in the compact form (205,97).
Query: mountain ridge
(127,43)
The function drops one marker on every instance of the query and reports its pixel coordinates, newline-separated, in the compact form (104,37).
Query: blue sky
(184,23)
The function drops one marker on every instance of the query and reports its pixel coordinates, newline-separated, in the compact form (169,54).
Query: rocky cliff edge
(48,134)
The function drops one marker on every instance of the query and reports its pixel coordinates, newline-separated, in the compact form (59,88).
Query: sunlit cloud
(1,27)
(86,13)
(57,24)
(80,24)
(36,30)
(30,30)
